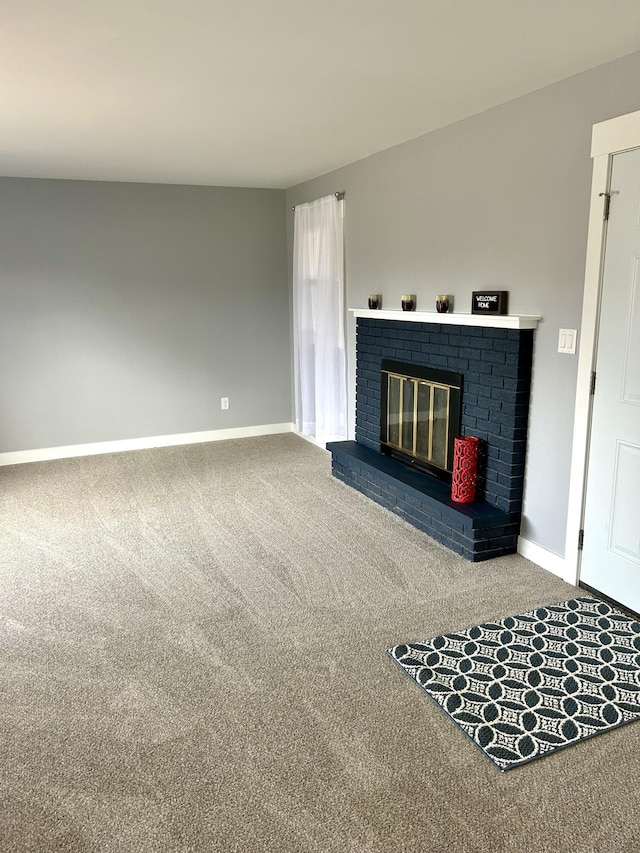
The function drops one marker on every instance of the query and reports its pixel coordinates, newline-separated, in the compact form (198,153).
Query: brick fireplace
(495,363)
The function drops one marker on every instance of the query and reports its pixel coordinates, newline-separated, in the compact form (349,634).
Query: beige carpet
(192,650)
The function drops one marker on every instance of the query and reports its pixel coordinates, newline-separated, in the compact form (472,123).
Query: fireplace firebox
(420,415)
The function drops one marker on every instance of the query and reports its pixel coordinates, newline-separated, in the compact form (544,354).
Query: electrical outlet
(567,341)
(224,402)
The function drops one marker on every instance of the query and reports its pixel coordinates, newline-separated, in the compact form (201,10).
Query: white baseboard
(44,454)
(548,560)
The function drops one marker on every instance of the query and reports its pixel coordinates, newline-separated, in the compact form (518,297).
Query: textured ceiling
(268,93)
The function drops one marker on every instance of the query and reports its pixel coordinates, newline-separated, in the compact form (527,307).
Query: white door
(611,551)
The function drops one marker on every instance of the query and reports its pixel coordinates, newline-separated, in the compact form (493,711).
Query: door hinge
(607,203)
(592,389)
(580,539)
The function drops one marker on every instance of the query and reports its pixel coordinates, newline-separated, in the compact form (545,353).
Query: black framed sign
(489,301)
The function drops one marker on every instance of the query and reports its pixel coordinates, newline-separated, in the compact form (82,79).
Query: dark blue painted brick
(420,345)
(507,346)
(449,351)
(458,365)
(495,333)
(494,357)
(469,352)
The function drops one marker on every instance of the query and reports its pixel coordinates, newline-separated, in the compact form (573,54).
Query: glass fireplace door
(418,419)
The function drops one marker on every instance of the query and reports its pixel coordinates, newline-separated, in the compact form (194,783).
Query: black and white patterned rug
(528,685)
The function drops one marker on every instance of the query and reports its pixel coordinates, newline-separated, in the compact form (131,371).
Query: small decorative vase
(465,469)
(375,301)
(408,301)
(442,303)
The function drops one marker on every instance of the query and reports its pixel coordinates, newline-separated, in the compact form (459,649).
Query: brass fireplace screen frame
(420,415)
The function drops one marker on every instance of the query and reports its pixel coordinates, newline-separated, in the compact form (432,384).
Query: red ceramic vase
(465,469)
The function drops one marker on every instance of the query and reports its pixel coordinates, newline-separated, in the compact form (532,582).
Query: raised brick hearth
(496,368)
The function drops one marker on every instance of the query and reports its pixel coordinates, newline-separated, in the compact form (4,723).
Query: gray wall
(128,310)
(497,201)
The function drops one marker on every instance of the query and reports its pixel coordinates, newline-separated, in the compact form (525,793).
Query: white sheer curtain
(318,326)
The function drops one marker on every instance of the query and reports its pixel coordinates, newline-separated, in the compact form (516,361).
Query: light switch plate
(567,341)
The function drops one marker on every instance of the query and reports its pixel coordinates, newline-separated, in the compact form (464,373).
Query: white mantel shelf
(497,321)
